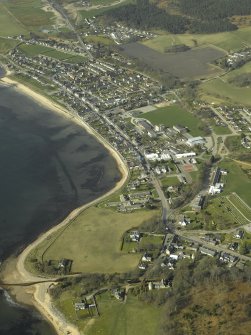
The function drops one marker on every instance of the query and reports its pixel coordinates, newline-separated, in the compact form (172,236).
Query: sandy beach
(14,270)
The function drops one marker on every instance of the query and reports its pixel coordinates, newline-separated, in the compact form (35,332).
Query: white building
(195,141)
(185,155)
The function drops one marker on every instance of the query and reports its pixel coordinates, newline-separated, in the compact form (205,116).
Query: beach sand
(14,271)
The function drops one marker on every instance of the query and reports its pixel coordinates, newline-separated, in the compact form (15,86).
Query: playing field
(93,241)
(174,115)
(227,41)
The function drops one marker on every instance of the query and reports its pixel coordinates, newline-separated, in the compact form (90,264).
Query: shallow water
(48,166)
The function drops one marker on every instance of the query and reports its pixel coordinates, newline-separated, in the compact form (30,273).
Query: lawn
(169,181)
(221,89)
(93,241)
(227,41)
(175,115)
(132,318)
(237,181)
(220,130)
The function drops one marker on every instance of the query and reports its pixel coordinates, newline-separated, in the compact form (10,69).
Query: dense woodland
(196,16)
(145,15)
(214,9)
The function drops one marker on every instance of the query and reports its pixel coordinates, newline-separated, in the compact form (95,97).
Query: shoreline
(14,270)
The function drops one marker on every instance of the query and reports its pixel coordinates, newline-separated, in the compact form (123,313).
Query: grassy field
(29,14)
(132,318)
(233,143)
(174,115)
(237,181)
(227,41)
(93,241)
(35,50)
(219,130)
(169,181)
(242,206)
(6,45)
(9,26)
(99,39)
(220,89)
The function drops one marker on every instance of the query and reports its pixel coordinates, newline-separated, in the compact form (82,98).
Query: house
(135,236)
(239,234)
(198,203)
(142,266)
(208,252)
(146,258)
(183,221)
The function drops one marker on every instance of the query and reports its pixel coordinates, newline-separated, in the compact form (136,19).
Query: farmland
(237,181)
(219,89)
(97,235)
(174,115)
(134,317)
(9,26)
(29,14)
(6,45)
(189,64)
(228,41)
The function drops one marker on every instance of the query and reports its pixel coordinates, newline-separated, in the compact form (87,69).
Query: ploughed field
(193,63)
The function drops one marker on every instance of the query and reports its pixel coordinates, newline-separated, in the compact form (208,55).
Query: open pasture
(132,318)
(221,89)
(9,26)
(228,41)
(189,64)
(29,14)
(93,241)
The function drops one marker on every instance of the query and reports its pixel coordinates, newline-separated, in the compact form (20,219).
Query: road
(57,7)
(217,248)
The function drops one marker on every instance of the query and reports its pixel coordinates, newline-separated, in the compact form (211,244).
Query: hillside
(179,16)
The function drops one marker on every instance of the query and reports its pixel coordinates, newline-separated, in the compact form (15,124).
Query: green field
(6,45)
(169,181)
(93,241)
(227,41)
(242,206)
(233,143)
(29,14)
(237,181)
(9,26)
(132,318)
(219,130)
(98,11)
(35,50)
(174,115)
(219,89)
